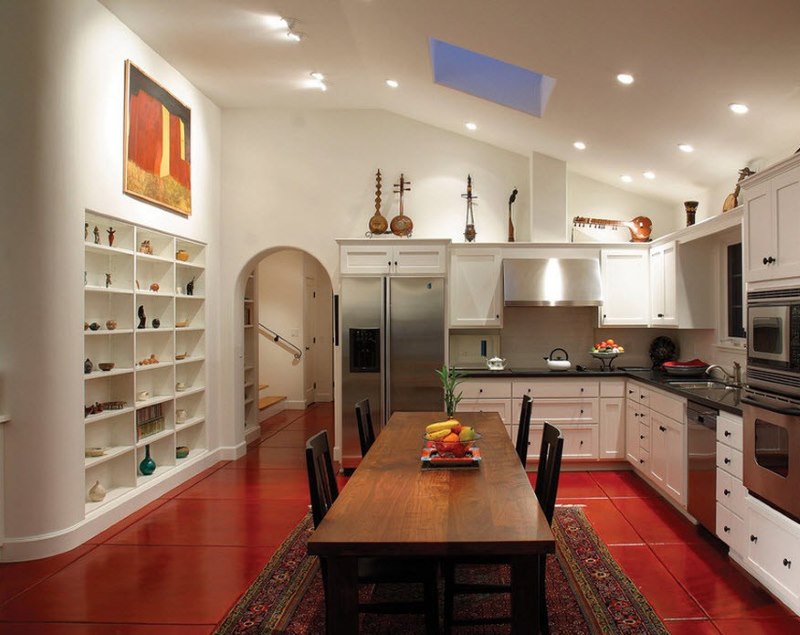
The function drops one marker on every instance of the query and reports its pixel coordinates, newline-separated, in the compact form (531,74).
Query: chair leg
(544,623)
(449,574)
(432,602)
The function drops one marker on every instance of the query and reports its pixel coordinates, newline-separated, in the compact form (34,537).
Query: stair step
(266,402)
(262,386)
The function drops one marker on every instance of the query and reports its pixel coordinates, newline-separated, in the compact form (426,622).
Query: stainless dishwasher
(701,427)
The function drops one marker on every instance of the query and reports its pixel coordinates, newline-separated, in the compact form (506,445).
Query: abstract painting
(158,131)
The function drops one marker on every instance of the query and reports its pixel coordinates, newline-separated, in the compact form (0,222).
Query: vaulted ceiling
(690,60)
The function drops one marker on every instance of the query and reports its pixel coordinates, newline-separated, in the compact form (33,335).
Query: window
(732,327)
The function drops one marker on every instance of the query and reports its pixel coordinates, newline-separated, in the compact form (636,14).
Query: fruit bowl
(457,449)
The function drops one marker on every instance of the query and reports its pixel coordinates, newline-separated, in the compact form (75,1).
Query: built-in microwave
(773,340)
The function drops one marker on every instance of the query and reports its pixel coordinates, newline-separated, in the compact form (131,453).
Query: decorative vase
(111,324)
(156,323)
(691,210)
(88,366)
(97,492)
(148,465)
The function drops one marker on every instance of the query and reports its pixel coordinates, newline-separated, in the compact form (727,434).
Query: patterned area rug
(587,592)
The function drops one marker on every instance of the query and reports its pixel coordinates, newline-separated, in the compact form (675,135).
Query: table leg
(524,595)
(341,596)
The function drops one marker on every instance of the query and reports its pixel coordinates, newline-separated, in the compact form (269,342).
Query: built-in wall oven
(773,340)
(772,449)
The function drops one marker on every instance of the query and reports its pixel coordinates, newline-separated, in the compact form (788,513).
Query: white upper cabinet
(476,287)
(662,286)
(772,222)
(402,257)
(625,287)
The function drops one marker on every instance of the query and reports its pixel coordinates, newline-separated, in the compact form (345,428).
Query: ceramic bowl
(181,323)
(142,395)
(181,356)
(180,386)
(93,452)
(106,365)
(181,452)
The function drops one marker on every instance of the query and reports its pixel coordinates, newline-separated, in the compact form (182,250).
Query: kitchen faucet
(731,379)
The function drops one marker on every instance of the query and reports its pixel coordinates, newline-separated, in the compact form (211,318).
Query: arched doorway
(288,334)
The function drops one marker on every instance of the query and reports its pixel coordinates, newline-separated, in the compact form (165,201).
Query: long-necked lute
(640,227)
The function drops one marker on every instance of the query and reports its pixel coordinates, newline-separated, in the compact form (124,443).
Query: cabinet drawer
(580,442)
(485,389)
(638,393)
(731,529)
(547,388)
(729,432)
(729,460)
(644,435)
(731,493)
(668,405)
(644,461)
(564,411)
(612,388)
(501,406)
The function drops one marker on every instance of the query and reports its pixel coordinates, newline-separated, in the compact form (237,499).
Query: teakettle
(496,363)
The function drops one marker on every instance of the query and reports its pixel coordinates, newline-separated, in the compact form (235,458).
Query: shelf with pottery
(109,454)
(152,438)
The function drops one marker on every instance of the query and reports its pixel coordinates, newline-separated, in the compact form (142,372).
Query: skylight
(489,78)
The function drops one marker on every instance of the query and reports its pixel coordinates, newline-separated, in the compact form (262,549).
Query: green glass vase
(148,465)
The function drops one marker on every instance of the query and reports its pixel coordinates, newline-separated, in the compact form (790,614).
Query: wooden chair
(524,430)
(366,433)
(546,489)
(324,491)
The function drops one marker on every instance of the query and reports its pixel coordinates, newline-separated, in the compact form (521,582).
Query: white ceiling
(691,58)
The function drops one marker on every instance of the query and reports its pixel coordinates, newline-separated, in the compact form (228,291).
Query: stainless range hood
(552,282)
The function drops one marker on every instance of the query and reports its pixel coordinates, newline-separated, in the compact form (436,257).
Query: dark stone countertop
(721,398)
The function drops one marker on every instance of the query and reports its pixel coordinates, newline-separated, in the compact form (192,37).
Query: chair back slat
(523,430)
(321,478)
(549,469)
(366,433)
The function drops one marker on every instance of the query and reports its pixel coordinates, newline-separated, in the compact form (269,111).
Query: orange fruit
(451,438)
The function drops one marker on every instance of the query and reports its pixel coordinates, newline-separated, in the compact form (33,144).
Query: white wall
(62,131)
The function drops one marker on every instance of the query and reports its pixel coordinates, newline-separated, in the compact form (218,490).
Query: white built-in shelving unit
(251,379)
(160,404)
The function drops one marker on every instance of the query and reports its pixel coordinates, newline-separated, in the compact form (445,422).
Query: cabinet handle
(641,396)
(727,461)
(480,389)
(768,261)
(395,263)
(764,261)
(660,315)
(641,436)
(787,563)
(753,538)
(726,529)
(727,433)
(581,410)
(641,460)
(581,389)
(581,443)
(604,316)
(389,264)
(630,392)
(662,428)
(727,492)
(497,317)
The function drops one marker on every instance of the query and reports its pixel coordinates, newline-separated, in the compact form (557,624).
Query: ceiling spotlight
(685,147)
(625,78)
(276,22)
(471,125)
(579,145)
(317,75)
(294,36)
(739,109)
(392,83)
(626,178)
(649,175)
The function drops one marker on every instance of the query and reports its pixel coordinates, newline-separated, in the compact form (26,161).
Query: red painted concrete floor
(178,565)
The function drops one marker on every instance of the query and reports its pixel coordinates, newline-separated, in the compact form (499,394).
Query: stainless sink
(698,385)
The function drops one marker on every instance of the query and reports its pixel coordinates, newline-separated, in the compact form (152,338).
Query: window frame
(724,340)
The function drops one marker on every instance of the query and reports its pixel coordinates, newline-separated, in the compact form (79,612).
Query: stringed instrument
(639,227)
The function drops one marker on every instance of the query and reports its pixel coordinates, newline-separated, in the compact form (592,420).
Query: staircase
(267,403)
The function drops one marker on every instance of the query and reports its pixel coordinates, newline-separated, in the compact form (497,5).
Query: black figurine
(156,323)
(190,287)
(142,317)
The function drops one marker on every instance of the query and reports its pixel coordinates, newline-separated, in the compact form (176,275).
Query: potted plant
(450,378)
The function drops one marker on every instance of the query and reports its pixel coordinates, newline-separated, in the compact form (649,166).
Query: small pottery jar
(148,465)
(180,386)
(88,366)
(156,323)
(182,255)
(97,492)
(691,210)
(94,326)
(181,452)
(111,324)
(143,395)
(180,415)
(155,286)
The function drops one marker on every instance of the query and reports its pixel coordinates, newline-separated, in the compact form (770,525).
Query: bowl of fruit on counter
(607,351)
(450,438)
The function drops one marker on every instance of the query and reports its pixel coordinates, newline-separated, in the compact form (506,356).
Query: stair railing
(278,339)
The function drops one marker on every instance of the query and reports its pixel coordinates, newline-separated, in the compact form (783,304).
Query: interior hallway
(180,563)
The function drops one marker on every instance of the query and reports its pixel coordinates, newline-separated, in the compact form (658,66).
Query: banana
(441,425)
(439,434)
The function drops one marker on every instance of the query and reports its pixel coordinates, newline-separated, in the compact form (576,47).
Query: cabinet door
(663,286)
(564,411)
(632,433)
(419,259)
(626,284)
(658,450)
(759,232)
(675,473)
(580,442)
(367,259)
(612,428)
(476,288)
(786,218)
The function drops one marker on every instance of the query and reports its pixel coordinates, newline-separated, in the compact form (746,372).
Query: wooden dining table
(393,508)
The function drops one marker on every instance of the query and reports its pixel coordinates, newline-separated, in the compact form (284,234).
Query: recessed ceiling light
(580,145)
(317,75)
(276,22)
(685,147)
(739,109)
(625,78)
(471,125)
(650,175)
(392,83)
(295,36)
(626,178)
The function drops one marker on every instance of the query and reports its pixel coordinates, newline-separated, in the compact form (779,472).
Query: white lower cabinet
(773,551)
(612,428)
(489,395)
(731,507)
(580,442)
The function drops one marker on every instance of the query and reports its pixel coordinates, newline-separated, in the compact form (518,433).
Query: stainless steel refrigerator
(392,342)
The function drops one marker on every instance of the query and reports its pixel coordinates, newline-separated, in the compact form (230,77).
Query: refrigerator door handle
(385,352)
